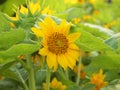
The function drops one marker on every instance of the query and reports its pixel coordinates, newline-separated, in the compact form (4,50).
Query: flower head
(58,46)
(55,85)
(98,80)
(47,10)
(75,1)
(34,7)
(76,20)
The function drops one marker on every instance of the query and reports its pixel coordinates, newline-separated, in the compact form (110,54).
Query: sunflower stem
(31,73)
(78,75)
(66,73)
(48,79)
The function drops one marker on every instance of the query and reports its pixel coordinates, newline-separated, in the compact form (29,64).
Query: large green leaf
(7,84)
(4,24)
(110,63)
(9,5)
(87,41)
(9,74)
(113,41)
(19,49)
(11,37)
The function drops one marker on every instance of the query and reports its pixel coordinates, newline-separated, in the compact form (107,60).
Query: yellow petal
(52,61)
(64,27)
(75,55)
(53,83)
(73,37)
(73,47)
(23,10)
(48,26)
(43,52)
(71,61)
(37,32)
(62,60)
(34,7)
(45,10)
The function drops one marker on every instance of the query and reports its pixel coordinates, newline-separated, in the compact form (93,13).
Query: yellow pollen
(57,43)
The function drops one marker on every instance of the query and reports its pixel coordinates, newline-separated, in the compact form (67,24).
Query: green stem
(31,73)
(78,75)
(66,74)
(48,79)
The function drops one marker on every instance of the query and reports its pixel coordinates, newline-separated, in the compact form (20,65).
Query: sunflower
(34,7)
(47,10)
(55,85)
(98,80)
(58,46)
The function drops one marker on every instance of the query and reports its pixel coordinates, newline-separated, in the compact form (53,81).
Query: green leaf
(97,30)
(7,65)
(11,37)
(4,24)
(9,6)
(20,49)
(7,84)
(74,12)
(88,87)
(73,88)
(113,41)
(110,63)
(88,42)
(9,74)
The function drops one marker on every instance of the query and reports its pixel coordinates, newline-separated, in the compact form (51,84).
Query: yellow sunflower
(55,85)
(47,10)
(58,46)
(34,7)
(98,80)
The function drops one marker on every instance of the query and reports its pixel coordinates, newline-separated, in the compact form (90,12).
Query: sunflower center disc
(57,43)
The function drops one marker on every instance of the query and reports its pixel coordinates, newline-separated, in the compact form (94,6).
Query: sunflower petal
(43,52)
(72,61)
(74,47)
(75,55)
(64,27)
(73,37)
(62,60)
(52,61)
(37,32)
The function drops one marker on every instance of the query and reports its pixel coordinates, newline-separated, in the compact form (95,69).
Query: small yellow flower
(1,77)
(96,12)
(113,23)
(34,7)
(37,60)
(107,25)
(71,1)
(92,1)
(58,46)
(82,72)
(98,80)
(47,10)
(86,17)
(76,20)
(75,1)
(23,10)
(55,85)
(81,1)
